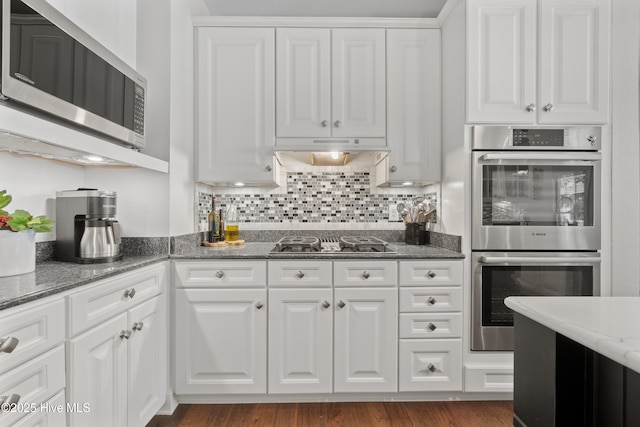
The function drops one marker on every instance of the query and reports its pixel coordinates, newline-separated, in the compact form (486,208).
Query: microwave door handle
(587,157)
(537,260)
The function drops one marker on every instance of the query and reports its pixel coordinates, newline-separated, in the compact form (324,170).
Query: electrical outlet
(393,213)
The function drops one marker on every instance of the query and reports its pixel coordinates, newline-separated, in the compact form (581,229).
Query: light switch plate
(394,216)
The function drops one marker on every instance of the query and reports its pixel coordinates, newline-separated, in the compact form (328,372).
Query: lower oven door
(497,275)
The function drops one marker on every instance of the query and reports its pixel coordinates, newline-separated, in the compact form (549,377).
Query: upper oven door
(536,200)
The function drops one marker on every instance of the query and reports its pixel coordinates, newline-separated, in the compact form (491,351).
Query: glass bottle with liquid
(231,224)
(214,221)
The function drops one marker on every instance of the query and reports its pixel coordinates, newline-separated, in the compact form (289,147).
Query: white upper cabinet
(413,113)
(533,61)
(235,86)
(331,83)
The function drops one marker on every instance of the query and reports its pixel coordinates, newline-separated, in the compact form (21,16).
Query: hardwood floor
(400,414)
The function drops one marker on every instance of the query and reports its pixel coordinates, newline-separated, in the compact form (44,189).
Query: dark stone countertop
(52,277)
(263,251)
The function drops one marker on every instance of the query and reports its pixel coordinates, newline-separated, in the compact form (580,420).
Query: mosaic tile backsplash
(313,197)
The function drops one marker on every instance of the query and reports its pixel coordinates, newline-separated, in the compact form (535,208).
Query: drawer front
(37,327)
(365,273)
(34,381)
(52,413)
(114,295)
(429,300)
(300,273)
(492,379)
(418,325)
(430,365)
(430,273)
(228,274)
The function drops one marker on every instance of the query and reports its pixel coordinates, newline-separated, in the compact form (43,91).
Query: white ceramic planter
(17,252)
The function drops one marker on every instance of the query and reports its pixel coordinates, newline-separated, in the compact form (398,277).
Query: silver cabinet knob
(531,108)
(299,274)
(219,274)
(268,168)
(125,334)
(431,300)
(326,304)
(393,169)
(341,304)
(259,305)
(9,400)
(431,274)
(365,275)
(130,293)
(431,367)
(137,326)
(338,123)
(431,327)
(548,107)
(592,139)
(324,123)
(7,345)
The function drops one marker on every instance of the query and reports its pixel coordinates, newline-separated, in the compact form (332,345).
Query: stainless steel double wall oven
(535,222)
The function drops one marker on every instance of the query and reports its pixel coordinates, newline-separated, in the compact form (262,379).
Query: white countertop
(607,325)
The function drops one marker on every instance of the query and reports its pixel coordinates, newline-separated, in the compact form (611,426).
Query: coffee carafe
(86,228)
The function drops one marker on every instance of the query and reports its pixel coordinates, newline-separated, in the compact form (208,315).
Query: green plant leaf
(40,224)
(5,199)
(19,220)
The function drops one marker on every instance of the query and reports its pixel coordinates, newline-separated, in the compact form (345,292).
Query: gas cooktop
(332,245)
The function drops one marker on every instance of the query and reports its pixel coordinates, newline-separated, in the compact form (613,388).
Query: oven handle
(537,260)
(587,157)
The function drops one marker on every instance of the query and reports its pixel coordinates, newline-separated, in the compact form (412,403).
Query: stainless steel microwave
(50,64)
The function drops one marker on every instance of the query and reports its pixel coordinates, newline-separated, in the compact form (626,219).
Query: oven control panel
(538,138)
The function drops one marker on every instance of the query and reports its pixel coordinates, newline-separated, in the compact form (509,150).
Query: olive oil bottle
(214,222)
(231,224)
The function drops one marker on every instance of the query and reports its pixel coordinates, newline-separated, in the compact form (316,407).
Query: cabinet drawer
(37,327)
(114,295)
(430,273)
(433,299)
(430,365)
(228,273)
(300,273)
(34,381)
(47,414)
(497,379)
(417,325)
(365,273)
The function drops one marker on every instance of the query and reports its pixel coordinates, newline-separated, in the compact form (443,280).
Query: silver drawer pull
(9,344)
(125,334)
(219,274)
(130,293)
(431,274)
(431,301)
(259,305)
(326,304)
(341,304)
(8,401)
(431,327)
(137,326)
(365,275)
(431,368)
(299,274)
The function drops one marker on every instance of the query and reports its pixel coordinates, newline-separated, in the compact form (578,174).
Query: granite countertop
(52,277)
(263,251)
(607,325)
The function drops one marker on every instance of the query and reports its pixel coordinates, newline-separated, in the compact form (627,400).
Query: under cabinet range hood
(330,144)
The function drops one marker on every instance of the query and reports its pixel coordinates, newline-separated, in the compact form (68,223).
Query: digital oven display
(538,137)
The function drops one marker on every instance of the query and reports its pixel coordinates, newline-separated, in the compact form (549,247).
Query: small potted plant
(17,238)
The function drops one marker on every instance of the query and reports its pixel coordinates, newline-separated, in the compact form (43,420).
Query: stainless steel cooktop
(332,245)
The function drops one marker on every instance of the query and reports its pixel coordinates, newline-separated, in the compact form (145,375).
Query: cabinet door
(303,84)
(501,57)
(235,104)
(221,341)
(366,340)
(574,61)
(413,100)
(147,360)
(97,372)
(300,340)
(358,83)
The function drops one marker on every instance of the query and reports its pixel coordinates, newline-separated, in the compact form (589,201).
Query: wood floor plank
(343,414)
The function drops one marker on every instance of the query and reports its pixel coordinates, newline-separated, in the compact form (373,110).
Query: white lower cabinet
(430,365)
(221,341)
(366,333)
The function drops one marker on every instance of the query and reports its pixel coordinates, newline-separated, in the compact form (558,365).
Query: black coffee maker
(86,229)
